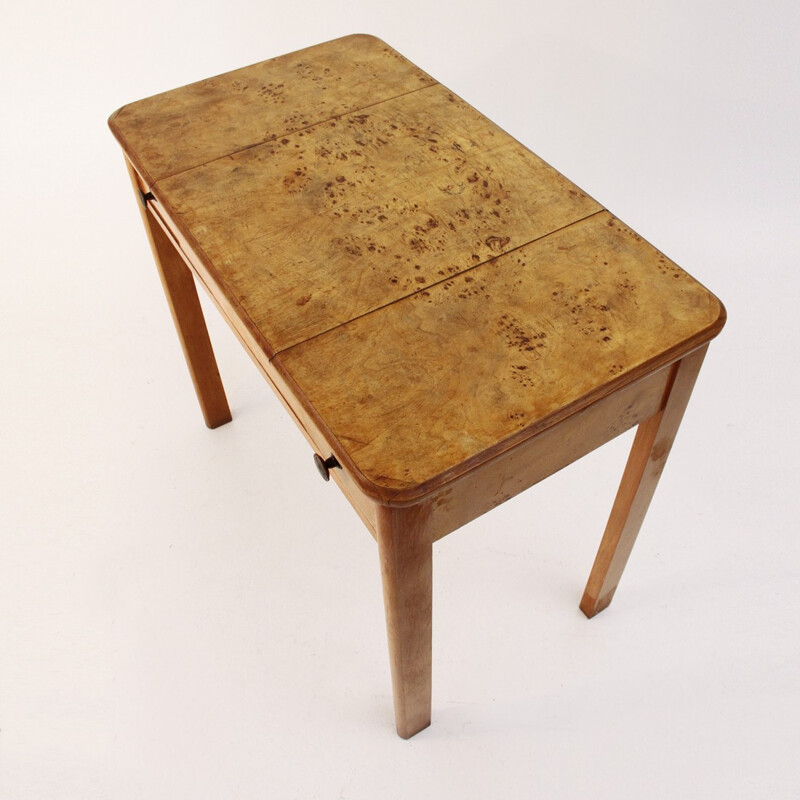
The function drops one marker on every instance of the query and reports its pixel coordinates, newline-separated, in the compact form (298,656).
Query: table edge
(390,495)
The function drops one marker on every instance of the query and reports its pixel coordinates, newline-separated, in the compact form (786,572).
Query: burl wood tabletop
(431,290)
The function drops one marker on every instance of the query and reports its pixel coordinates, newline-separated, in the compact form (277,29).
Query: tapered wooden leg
(187,314)
(654,438)
(405,546)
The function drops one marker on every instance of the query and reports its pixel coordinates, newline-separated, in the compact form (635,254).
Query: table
(447,318)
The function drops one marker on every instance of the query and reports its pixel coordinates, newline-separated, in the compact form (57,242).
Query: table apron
(493,482)
(365,506)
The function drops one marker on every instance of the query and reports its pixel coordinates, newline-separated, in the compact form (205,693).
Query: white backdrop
(194,614)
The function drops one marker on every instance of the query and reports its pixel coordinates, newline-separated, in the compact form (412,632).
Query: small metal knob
(324,466)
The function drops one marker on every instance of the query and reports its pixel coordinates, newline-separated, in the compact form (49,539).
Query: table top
(432,292)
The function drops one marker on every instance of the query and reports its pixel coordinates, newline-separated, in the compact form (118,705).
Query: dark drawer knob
(324,466)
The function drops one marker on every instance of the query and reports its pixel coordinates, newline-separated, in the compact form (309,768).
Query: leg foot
(405,547)
(648,456)
(190,324)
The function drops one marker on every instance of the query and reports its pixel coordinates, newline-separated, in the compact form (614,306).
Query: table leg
(654,438)
(187,314)
(405,546)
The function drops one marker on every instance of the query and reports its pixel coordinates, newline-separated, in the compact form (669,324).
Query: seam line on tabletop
(293,132)
(437,283)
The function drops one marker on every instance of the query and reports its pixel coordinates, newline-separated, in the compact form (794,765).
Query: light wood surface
(348,216)
(648,457)
(405,548)
(429,290)
(311,425)
(441,311)
(491,483)
(418,392)
(183,128)
(187,314)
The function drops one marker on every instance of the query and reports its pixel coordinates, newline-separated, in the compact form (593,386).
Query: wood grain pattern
(439,309)
(405,548)
(344,217)
(488,484)
(187,314)
(310,424)
(429,290)
(174,131)
(651,447)
(429,383)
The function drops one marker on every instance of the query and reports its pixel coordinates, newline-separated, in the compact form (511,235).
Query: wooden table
(447,318)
